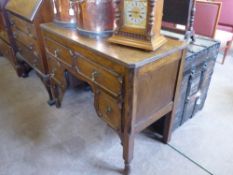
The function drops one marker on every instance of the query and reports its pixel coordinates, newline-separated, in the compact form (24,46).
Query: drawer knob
(53,71)
(30,46)
(94,75)
(108,110)
(12,23)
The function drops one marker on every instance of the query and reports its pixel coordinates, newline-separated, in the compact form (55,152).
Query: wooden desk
(132,88)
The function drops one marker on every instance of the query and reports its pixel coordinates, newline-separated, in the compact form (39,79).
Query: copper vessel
(94,17)
(64,13)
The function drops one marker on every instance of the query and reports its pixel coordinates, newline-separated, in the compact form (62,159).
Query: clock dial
(135,13)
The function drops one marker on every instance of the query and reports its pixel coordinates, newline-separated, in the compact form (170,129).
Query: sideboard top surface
(127,56)
(24,8)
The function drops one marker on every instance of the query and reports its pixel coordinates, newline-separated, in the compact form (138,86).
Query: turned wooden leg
(45,79)
(51,100)
(167,127)
(226,50)
(128,148)
(55,94)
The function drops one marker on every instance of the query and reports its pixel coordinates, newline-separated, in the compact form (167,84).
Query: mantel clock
(138,23)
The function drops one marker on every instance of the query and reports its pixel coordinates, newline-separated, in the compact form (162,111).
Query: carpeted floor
(36,139)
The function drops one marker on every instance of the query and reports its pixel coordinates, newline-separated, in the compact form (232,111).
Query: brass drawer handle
(53,71)
(73,54)
(56,52)
(12,23)
(94,75)
(14,35)
(109,110)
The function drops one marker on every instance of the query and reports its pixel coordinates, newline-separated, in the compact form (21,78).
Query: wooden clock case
(148,38)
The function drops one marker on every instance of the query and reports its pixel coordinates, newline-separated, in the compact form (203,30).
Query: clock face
(135,13)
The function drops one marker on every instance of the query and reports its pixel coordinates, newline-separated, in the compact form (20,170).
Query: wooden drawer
(23,26)
(56,70)
(63,54)
(29,42)
(7,51)
(104,78)
(29,57)
(108,109)
(4,35)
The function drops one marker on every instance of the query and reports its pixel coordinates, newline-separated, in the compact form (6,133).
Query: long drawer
(29,57)
(22,25)
(29,42)
(101,76)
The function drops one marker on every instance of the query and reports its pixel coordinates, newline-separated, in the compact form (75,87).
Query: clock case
(149,38)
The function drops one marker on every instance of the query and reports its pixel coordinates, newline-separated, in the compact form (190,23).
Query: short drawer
(23,26)
(56,70)
(103,77)
(29,42)
(63,54)
(7,51)
(4,35)
(29,57)
(109,109)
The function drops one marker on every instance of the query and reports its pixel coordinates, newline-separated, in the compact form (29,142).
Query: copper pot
(64,13)
(94,17)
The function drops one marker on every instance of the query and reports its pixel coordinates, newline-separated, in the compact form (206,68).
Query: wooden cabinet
(25,21)
(25,18)
(7,45)
(132,88)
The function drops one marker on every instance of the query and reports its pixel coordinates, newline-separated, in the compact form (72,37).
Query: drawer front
(29,42)
(4,35)
(7,51)
(63,54)
(106,79)
(29,57)
(108,109)
(56,70)
(23,26)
